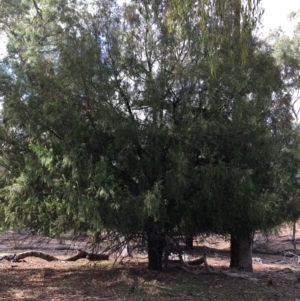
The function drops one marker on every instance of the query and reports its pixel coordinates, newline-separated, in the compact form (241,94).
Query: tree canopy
(157,117)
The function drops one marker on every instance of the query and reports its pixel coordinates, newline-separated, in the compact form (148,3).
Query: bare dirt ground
(35,279)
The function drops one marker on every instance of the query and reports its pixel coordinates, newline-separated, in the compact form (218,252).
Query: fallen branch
(41,255)
(197,262)
(90,256)
(40,247)
(80,254)
(200,261)
(8,257)
(193,267)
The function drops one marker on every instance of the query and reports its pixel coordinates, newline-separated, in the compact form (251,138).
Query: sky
(276,12)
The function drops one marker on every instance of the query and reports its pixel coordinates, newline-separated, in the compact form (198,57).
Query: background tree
(285,50)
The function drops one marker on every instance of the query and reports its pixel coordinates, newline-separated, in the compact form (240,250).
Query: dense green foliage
(153,117)
(285,49)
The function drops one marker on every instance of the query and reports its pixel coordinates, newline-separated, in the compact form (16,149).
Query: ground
(35,279)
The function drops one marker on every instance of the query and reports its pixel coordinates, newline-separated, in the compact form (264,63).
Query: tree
(285,50)
(155,117)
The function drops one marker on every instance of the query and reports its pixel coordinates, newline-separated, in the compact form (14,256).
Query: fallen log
(80,254)
(40,247)
(8,257)
(90,256)
(41,255)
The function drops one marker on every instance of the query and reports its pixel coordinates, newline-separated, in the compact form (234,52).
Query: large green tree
(156,117)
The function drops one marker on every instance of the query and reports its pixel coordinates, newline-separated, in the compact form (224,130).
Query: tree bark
(294,237)
(234,251)
(189,243)
(241,251)
(156,243)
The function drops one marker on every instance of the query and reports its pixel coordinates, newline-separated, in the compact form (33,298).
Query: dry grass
(36,279)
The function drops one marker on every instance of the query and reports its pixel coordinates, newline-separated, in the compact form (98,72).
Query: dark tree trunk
(241,251)
(156,243)
(189,242)
(234,251)
(294,237)
(96,237)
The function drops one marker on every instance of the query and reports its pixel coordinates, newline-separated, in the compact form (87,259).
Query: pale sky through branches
(276,15)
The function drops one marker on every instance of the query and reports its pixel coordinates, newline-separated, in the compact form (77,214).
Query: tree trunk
(156,243)
(241,251)
(294,237)
(96,237)
(234,251)
(189,242)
